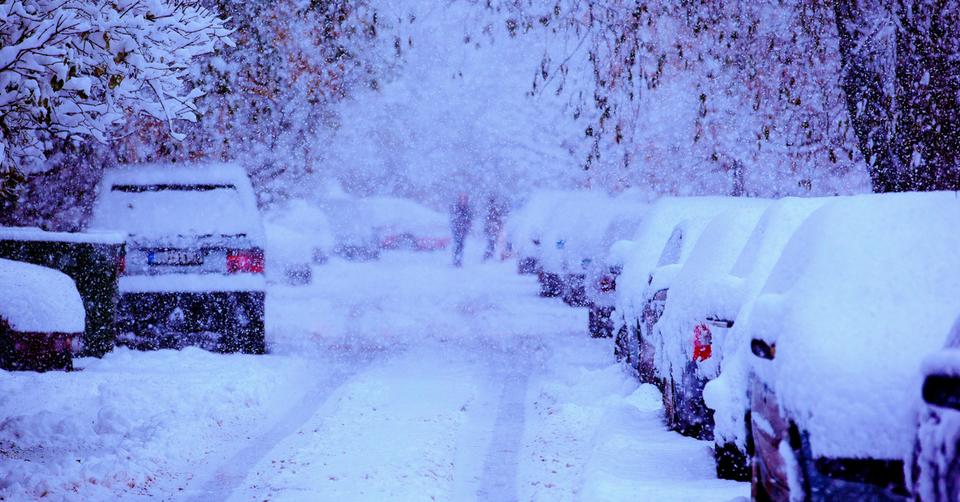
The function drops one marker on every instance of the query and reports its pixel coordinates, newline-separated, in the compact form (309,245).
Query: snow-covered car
(650,261)
(731,301)
(600,283)
(194,269)
(41,317)
(355,236)
(865,289)
(526,225)
(682,337)
(935,458)
(576,225)
(298,237)
(408,225)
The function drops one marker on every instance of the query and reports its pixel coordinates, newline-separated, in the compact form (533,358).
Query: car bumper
(177,319)
(820,478)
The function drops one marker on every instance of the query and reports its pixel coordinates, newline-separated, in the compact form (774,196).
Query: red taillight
(702,343)
(245,261)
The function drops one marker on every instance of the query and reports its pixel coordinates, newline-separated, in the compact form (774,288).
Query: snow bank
(727,394)
(136,423)
(866,287)
(35,299)
(692,296)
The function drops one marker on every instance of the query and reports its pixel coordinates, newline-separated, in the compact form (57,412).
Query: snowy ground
(403,379)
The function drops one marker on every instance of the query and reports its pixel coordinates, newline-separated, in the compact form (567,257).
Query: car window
(165,209)
(672,250)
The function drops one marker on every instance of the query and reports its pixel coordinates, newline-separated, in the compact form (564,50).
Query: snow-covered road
(403,379)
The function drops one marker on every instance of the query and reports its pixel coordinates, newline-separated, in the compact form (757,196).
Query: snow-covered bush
(74,70)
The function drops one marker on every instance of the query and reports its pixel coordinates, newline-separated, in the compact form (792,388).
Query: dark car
(194,268)
(41,318)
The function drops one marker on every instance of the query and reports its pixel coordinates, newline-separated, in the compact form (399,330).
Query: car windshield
(171,209)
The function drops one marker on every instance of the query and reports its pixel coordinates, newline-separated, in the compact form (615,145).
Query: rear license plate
(175,257)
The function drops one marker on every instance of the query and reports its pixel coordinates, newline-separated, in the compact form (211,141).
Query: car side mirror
(762,349)
(942,391)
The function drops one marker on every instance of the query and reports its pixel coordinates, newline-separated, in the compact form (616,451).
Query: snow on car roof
(163,201)
(34,234)
(405,215)
(35,299)
(640,255)
(692,295)
(864,289)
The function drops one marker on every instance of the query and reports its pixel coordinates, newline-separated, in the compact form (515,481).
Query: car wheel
(732,463)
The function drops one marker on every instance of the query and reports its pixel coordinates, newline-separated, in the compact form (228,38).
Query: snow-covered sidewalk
(403,379)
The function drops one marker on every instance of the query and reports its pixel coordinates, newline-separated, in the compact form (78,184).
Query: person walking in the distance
(461,216)
(492,225)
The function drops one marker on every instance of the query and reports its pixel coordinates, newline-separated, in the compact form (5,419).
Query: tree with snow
(75,70)
(901,76)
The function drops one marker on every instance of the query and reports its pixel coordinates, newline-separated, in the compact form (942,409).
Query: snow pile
(727,394)
(134,423)
(692,296)
(36,299)
(158,201)
(594,434)
(866,287)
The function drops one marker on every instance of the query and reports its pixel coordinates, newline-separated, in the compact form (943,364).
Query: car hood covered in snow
(35,299)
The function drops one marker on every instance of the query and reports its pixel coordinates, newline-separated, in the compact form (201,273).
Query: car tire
(732,463)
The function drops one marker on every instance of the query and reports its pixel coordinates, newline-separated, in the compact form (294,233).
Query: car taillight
(702,343)
(245,261)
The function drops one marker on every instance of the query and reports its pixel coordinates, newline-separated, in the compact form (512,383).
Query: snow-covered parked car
(865,289)
(732,297)
(408,225)
(600,284)
(577,224)
(41,317)
(355,236)
(935,459)
(683,336)
(298,237)
(526,225)
(650,261)
(194,269)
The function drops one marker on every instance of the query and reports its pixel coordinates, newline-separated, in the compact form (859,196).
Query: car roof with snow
(527,223)
(640,255)
(865,288)
(35,299)
(405,215)
(157,201)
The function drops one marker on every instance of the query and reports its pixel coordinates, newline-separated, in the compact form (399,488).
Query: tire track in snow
(498,481)
(234,468)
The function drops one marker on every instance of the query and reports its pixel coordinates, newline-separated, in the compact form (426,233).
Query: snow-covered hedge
(35,299)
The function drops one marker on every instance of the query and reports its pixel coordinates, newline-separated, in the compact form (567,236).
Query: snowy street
(399,379)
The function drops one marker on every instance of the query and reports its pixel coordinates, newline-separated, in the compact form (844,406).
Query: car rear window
(174,209)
